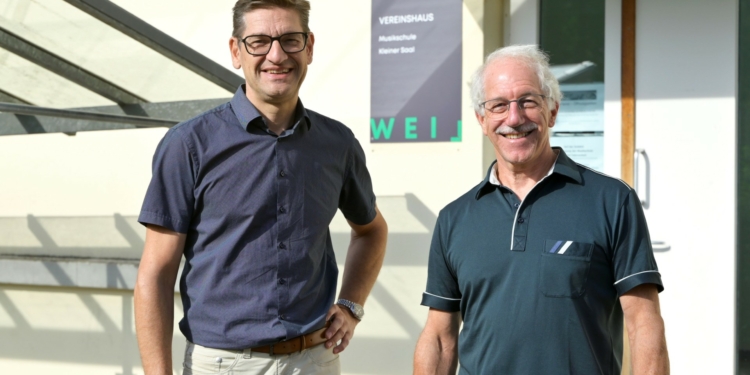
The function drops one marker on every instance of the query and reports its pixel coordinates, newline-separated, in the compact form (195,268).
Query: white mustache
(525,128)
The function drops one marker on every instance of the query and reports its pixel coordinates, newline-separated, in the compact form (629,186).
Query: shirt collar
(563,166)
(247,114)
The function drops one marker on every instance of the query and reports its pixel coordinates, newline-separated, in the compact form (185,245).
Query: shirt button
(520,220)
(281,245)
(282,209)
(282,174)
(282,317)
(281,281)
(516,205)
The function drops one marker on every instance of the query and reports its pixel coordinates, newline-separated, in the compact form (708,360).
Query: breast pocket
(565,268)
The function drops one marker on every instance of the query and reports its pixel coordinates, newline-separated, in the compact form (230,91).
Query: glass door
(572,33)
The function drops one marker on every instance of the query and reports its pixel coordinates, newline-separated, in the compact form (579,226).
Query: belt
(296,344)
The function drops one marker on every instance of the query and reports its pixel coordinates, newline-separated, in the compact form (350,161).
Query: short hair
(530,54)
(302,7)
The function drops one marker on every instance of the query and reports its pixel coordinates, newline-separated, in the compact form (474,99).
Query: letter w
(381,128)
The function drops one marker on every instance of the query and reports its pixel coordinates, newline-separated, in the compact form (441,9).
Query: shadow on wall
(100,238)
(66,290)
(65,328)
(410,224)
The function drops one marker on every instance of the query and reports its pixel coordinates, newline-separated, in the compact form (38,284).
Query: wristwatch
(355,308)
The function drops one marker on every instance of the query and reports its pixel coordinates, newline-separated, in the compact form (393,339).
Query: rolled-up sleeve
(442,291)
(357,200)
(633,257)
(169,200)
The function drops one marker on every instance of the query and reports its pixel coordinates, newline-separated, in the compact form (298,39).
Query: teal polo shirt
(538,281)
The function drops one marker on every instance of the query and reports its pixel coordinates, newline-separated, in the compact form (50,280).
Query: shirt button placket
(521,229)
(283,182)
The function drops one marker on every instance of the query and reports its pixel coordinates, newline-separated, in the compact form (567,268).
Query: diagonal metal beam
(21,124)
(66,69)
(7,97)
(134,27)
(138,121)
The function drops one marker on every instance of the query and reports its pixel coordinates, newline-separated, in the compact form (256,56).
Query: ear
(234,49)
(309,48)
(481,119)
(553,115)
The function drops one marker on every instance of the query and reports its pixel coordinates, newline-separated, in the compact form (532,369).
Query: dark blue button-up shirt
(256,207)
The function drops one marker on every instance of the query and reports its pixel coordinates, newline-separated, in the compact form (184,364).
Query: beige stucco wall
(64,195)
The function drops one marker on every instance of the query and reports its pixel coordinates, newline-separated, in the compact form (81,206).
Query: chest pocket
(565,268)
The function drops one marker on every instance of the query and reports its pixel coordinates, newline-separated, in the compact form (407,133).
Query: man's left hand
(342,324)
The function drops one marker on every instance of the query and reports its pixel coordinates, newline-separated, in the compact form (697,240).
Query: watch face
(359,311)
(355,308)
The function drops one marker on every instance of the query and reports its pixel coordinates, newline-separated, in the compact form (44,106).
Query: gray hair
(531,55)
(302,7)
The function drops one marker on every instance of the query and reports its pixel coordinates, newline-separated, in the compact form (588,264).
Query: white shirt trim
(606,175)
(637,273)
(495,181)
(450,299)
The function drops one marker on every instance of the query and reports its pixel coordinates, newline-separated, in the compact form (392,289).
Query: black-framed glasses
(259,45)
(501,107)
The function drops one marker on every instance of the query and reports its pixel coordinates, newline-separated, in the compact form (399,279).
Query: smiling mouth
(278,71)
(515,135)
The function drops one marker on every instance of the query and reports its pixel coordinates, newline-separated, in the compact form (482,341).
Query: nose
(515,115)
(276,54)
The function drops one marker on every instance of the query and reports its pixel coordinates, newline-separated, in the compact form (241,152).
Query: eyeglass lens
(502,106)
(261,44)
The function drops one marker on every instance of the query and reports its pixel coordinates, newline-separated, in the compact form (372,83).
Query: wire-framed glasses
(501,107)
(259,45)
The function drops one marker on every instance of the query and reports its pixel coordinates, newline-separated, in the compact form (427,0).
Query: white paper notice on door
(581,109)
(586,149)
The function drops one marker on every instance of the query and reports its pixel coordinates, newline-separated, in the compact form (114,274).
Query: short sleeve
(357,200)
(442,286)
(170,196)
(633,257)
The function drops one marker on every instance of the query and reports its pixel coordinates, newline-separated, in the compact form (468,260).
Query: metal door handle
(646,196)
(660,246)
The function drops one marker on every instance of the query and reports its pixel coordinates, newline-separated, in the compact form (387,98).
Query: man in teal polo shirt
(543,259)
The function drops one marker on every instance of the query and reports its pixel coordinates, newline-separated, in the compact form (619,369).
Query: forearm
(648,348)
(363,262)
(154,319)
(648,345)
(154,298)
(434,356)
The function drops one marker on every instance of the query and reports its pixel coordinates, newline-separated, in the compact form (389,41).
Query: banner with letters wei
(415,71)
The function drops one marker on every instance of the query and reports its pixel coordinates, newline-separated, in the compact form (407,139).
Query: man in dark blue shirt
(544,258)
(246,192)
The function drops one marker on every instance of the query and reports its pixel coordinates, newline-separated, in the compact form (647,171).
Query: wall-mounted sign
(415,71)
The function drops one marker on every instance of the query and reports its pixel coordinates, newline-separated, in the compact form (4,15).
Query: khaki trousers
(317,360)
